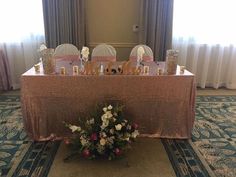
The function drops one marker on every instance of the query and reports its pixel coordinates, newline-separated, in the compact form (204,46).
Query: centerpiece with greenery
(105,134)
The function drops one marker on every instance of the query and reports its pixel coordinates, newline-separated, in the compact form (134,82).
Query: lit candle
(75,70)
(63,71)
(101,69)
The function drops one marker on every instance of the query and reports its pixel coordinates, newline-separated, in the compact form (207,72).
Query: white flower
(109,114)
(91,121)
(110,141)
(104,124)
(115,114)
(104,117)
(105,109)
(103,134)
(85,52)
(83,141)
(102,141)
(75,128)
(135,134)
(128,127)
(110,107)
(112,131)
(118,127)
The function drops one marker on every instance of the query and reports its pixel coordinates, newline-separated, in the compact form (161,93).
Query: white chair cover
(148,55)
(66,49)
(104,52)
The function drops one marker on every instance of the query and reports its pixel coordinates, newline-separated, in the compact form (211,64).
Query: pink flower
(94,137)
(86,153)
(66,141)
(117,151)
(135,126)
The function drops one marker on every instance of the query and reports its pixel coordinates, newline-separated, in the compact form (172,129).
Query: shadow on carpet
(212,151)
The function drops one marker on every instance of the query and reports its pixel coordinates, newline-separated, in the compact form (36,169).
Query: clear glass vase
(48,61)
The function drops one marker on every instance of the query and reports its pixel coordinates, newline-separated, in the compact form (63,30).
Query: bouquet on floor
(106,134)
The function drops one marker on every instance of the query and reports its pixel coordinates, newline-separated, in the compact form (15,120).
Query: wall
(111,21)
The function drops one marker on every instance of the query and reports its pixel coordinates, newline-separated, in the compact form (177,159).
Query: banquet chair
(148,55)
(66,51)
(103,52)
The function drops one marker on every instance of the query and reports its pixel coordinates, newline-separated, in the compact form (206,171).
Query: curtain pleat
(5,81)
(156,26)
(64,22)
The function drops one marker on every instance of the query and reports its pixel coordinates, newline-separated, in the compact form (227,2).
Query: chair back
(65,50)
(104,52)
(148,55)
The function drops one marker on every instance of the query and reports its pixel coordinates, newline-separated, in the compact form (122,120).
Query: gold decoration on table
(109,68)
(63,71)
(37,68)
(126,67)
(160,71)
(75,70)
(182,68)
(146,70)
(171,61)
(48,61)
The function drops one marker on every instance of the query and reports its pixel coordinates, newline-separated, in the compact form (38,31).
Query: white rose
(102,141)
(104,117)
(109,114)
(110,107)
(75,128)
(105,109)
(83,141)
(104,124)
(135,134)
(118,127)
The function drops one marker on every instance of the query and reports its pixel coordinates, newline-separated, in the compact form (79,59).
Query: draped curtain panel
(64,22)
(156,26)
(21,34)
(5,81)
(206,41)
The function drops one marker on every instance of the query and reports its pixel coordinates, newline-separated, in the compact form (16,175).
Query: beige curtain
(64,22)
(156,26)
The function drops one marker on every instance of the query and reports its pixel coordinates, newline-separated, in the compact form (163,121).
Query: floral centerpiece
(106,134)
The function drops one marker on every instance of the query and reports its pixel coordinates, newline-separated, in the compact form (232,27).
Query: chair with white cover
(148,55)
(103,53)
(66,51)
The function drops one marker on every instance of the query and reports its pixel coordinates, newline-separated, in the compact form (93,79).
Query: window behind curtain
(20,20)
(205,21)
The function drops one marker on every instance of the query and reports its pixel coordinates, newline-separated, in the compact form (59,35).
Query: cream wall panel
(111,21)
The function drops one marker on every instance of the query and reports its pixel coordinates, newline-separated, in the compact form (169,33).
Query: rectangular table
(163,106)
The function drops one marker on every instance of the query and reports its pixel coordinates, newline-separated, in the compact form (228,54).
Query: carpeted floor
(212,151)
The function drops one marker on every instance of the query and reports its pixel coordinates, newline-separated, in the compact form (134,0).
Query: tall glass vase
(48,61)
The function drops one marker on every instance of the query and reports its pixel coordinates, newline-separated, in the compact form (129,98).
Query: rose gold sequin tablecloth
(163,106)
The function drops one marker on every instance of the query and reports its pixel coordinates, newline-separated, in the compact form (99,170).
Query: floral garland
(105,134)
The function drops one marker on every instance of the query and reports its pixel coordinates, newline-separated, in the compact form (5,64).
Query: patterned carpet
(18,155)
(212,151)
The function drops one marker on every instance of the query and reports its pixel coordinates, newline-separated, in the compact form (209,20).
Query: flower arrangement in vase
(106,134)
